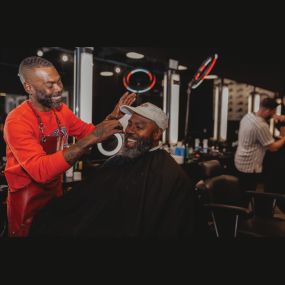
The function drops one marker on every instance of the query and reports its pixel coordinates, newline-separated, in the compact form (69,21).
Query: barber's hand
(126,99)
(107,128)
(279,118)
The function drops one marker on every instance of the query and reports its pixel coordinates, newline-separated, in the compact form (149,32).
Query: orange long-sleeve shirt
(26,158)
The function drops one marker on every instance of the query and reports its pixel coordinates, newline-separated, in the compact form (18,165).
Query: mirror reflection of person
(139,193)
(36,134)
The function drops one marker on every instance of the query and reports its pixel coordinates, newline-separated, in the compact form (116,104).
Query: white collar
(156,147)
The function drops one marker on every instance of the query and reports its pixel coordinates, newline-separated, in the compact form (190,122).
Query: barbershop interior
(198,150)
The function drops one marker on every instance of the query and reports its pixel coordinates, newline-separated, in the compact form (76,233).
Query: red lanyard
(41,125)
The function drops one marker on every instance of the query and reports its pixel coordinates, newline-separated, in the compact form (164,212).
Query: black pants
(248,182)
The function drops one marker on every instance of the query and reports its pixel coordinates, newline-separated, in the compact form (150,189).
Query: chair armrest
(228,209)
(3,193)
(3,187)
(266,195)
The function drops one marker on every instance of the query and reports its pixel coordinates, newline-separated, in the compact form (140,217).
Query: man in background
(254,138)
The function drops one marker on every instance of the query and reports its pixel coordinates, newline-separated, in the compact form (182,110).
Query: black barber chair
(223,201)
(207,169)
(3,210)
(210,168)
(229,219)
(265,221)
(220,195)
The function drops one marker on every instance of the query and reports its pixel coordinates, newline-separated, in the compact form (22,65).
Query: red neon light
(152,78)
(202,68)
(152,84)
(197,76)
(128,77)
(125,83)
(200,71)
(210,68)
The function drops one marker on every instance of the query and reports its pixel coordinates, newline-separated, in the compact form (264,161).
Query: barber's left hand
(126,99)
(279,118)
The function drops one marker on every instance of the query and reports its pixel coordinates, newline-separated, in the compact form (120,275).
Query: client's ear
(157,134)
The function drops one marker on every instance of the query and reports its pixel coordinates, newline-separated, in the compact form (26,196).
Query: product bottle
(197,144)
(187,157)
(205,145)
(69,173)
(180,151)
(77,174)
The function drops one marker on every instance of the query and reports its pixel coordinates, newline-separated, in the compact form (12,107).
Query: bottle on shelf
(77,174)
(197,145)
(205,145)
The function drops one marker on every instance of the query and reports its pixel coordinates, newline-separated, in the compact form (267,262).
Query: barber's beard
(47,101)
(142,146)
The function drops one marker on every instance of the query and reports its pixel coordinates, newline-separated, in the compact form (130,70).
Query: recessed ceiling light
(40,52)
(211,76)
(117,69)
(182,67)
(134,55)
(106,73)
(64,58)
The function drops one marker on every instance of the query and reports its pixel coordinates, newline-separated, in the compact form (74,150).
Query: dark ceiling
(252,65)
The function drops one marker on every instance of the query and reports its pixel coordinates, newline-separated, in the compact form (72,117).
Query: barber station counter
(193,169)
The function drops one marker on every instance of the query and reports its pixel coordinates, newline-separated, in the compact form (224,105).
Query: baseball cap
(148,111)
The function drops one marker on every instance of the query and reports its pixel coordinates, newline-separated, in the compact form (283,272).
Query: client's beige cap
(148,111)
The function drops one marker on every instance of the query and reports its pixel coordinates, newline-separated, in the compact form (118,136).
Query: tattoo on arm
(73,153)
(99,132)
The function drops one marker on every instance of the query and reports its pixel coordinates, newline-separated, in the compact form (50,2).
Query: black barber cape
(150,196)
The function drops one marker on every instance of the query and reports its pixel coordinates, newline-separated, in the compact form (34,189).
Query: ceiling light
(117,69)
(106,73)
(134,55)
(64,58)
(182,67)
(40,52)
(212,76)
(279,101)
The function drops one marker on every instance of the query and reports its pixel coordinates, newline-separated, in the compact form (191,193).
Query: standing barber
(254,139)
(36,134)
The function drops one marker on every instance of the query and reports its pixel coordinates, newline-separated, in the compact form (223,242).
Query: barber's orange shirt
(26,160)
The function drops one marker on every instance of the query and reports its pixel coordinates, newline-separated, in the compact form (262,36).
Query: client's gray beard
(143,146)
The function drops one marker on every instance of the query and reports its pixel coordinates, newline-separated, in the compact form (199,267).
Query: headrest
(211,168)
(224,189)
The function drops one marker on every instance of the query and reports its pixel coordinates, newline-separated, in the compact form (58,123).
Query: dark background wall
(263,68)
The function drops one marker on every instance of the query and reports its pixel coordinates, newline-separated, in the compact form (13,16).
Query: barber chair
(223,201)
(264,221)
(3,210)
(210,168)
(220,195)
(207,169)
(222,198)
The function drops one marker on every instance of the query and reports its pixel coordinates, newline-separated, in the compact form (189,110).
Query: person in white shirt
(254,139)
